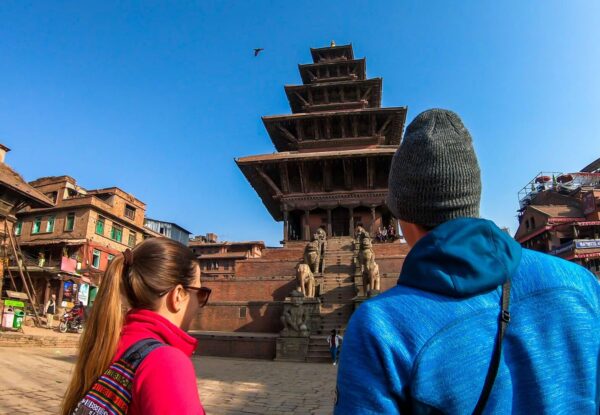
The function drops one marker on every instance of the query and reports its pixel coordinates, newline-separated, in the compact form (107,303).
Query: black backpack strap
(503,321)
(138,352)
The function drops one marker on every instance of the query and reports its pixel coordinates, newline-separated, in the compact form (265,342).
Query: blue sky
(159,97)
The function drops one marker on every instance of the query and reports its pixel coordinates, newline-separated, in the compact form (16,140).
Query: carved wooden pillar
(306,227)
(286,225)
(351,212)
(329,228)
(372,220)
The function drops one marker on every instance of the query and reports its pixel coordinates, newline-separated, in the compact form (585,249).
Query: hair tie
(128,255)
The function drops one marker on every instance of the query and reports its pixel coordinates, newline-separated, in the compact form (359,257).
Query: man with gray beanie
(476,323)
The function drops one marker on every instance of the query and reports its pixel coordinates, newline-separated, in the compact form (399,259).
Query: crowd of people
(386,234)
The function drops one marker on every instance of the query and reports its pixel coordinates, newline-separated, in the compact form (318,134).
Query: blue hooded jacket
(425,346)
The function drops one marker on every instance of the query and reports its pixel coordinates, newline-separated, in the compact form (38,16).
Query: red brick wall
(254,347)
(255,289)
(261,317)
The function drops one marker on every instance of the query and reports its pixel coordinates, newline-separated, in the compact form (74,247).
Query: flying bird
(257,51)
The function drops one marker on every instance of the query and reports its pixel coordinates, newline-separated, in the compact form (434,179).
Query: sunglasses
(202,292)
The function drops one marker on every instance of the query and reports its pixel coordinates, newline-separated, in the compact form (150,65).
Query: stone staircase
(336,293)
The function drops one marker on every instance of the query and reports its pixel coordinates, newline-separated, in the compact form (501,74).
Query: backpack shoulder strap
(138,352)
(503,320)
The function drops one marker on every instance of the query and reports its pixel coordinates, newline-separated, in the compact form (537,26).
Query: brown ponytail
(154,266)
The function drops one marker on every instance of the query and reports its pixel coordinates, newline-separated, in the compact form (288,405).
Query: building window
(532,223)
(50,224)
(110,257)
(243,311)
(70,222)
(132,238)
(100,225)
(18,228)
(129,212)
(116,233)
(96,259)
(37,225)
(226,265)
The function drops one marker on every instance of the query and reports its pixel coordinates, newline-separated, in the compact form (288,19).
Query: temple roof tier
(332,53)
(335,95)
(346,70)
(323,176)
(342,128)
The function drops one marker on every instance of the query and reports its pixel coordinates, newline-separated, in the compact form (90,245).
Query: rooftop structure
(559,214)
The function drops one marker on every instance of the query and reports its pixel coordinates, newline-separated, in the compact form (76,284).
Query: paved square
(33,380)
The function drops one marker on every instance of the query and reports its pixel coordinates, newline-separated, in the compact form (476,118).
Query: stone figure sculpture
(312,256)
(296,317)
(365,251)
(371,279)
(306,280)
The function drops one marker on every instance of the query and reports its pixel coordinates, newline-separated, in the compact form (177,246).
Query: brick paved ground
(33,380)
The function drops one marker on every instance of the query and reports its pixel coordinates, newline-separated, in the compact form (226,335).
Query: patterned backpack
(111,393)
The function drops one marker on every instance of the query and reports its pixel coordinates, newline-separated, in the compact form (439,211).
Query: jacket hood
(461,258)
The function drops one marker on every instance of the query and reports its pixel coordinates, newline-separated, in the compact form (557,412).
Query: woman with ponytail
(159,283)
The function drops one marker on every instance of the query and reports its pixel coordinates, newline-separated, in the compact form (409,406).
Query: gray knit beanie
(434,175)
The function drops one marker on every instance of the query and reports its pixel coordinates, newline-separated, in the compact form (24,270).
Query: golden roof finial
(332,44)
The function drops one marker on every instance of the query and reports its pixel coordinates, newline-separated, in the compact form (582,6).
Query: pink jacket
(165,382)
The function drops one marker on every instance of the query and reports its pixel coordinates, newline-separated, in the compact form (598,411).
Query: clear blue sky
(159,97)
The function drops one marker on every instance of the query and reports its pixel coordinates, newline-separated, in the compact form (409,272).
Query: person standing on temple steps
(335,342)
(476,324)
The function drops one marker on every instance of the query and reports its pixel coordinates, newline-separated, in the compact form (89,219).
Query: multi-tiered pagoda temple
(334,150)
(330,171)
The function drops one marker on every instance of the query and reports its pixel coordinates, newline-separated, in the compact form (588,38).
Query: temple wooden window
(359,173)
(70,222)
(243,312)
(294,176)
(382,167)
(337,174)
(315,176)
(18,228)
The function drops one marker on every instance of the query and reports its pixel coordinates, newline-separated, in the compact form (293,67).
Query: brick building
(560,215)
(330,171)
(67,247)
(15,193)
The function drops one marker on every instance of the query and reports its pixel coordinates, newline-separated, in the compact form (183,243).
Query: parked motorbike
(70,323)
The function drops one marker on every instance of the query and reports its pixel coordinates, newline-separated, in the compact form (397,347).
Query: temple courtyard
(33,380)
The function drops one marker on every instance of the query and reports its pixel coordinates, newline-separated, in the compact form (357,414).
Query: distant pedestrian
(335,342)
(50,311)
(139,363)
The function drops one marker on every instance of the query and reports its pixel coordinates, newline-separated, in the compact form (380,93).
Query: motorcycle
(70,322)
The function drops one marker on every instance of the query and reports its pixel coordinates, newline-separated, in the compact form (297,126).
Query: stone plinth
(293,349)
(297,318)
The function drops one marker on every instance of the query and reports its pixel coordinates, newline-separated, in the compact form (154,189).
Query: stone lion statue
(312,255)
(371,279)
(306,280)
